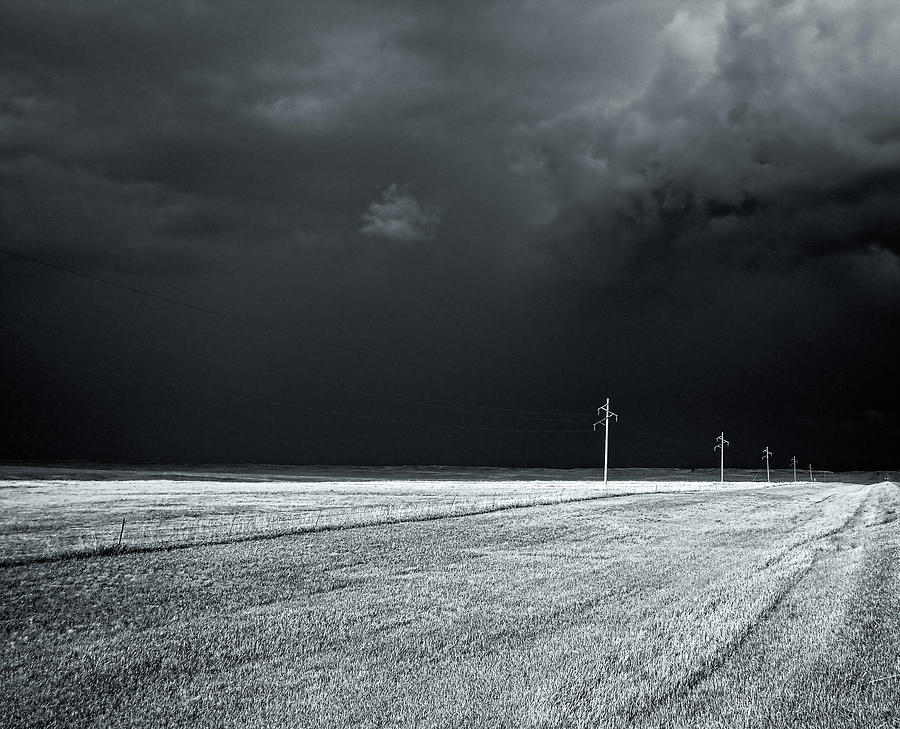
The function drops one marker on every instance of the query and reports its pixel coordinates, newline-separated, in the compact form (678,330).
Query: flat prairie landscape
(449,603)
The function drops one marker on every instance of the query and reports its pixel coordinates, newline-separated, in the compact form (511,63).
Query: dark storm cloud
(605,128)
(622,192)
(294,112)
(766,134)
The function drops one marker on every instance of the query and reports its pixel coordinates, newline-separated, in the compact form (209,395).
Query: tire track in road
(840,630)
(808,539)
(707,667)
(687,683)
(869,634)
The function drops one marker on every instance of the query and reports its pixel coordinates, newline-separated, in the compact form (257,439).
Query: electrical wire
(443,404)
(407,399)
(196,307)
(292,405)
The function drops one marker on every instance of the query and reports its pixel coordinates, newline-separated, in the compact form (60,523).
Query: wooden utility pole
(794,464)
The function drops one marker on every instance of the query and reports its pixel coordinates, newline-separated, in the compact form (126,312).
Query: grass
(46,519)
(773,607)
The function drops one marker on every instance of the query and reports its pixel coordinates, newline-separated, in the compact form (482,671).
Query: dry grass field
(48,512)
(48,520)
(654,606)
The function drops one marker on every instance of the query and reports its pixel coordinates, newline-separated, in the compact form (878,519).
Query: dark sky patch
(424,229)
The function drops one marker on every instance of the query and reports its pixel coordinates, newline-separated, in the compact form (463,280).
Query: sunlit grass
(46,519)
(774,607)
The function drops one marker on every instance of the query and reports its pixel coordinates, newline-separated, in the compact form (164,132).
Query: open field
(48,519)
(738,607)
(46,512)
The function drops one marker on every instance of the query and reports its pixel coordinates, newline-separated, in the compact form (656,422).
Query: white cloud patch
(400,217)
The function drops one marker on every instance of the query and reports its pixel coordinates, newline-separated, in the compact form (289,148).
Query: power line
(676,442)
(292,405)
(676,447)
(196,307)
(524,414)
(400,397)
(409,399)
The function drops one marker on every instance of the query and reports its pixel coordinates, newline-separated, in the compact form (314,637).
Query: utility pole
(794,464)
(766,454)
(607,414)
(810,472)
(721,447)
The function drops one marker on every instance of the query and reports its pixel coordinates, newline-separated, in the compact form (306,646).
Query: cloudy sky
(394,232)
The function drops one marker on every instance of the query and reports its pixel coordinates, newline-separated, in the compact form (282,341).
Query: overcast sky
(397,232)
